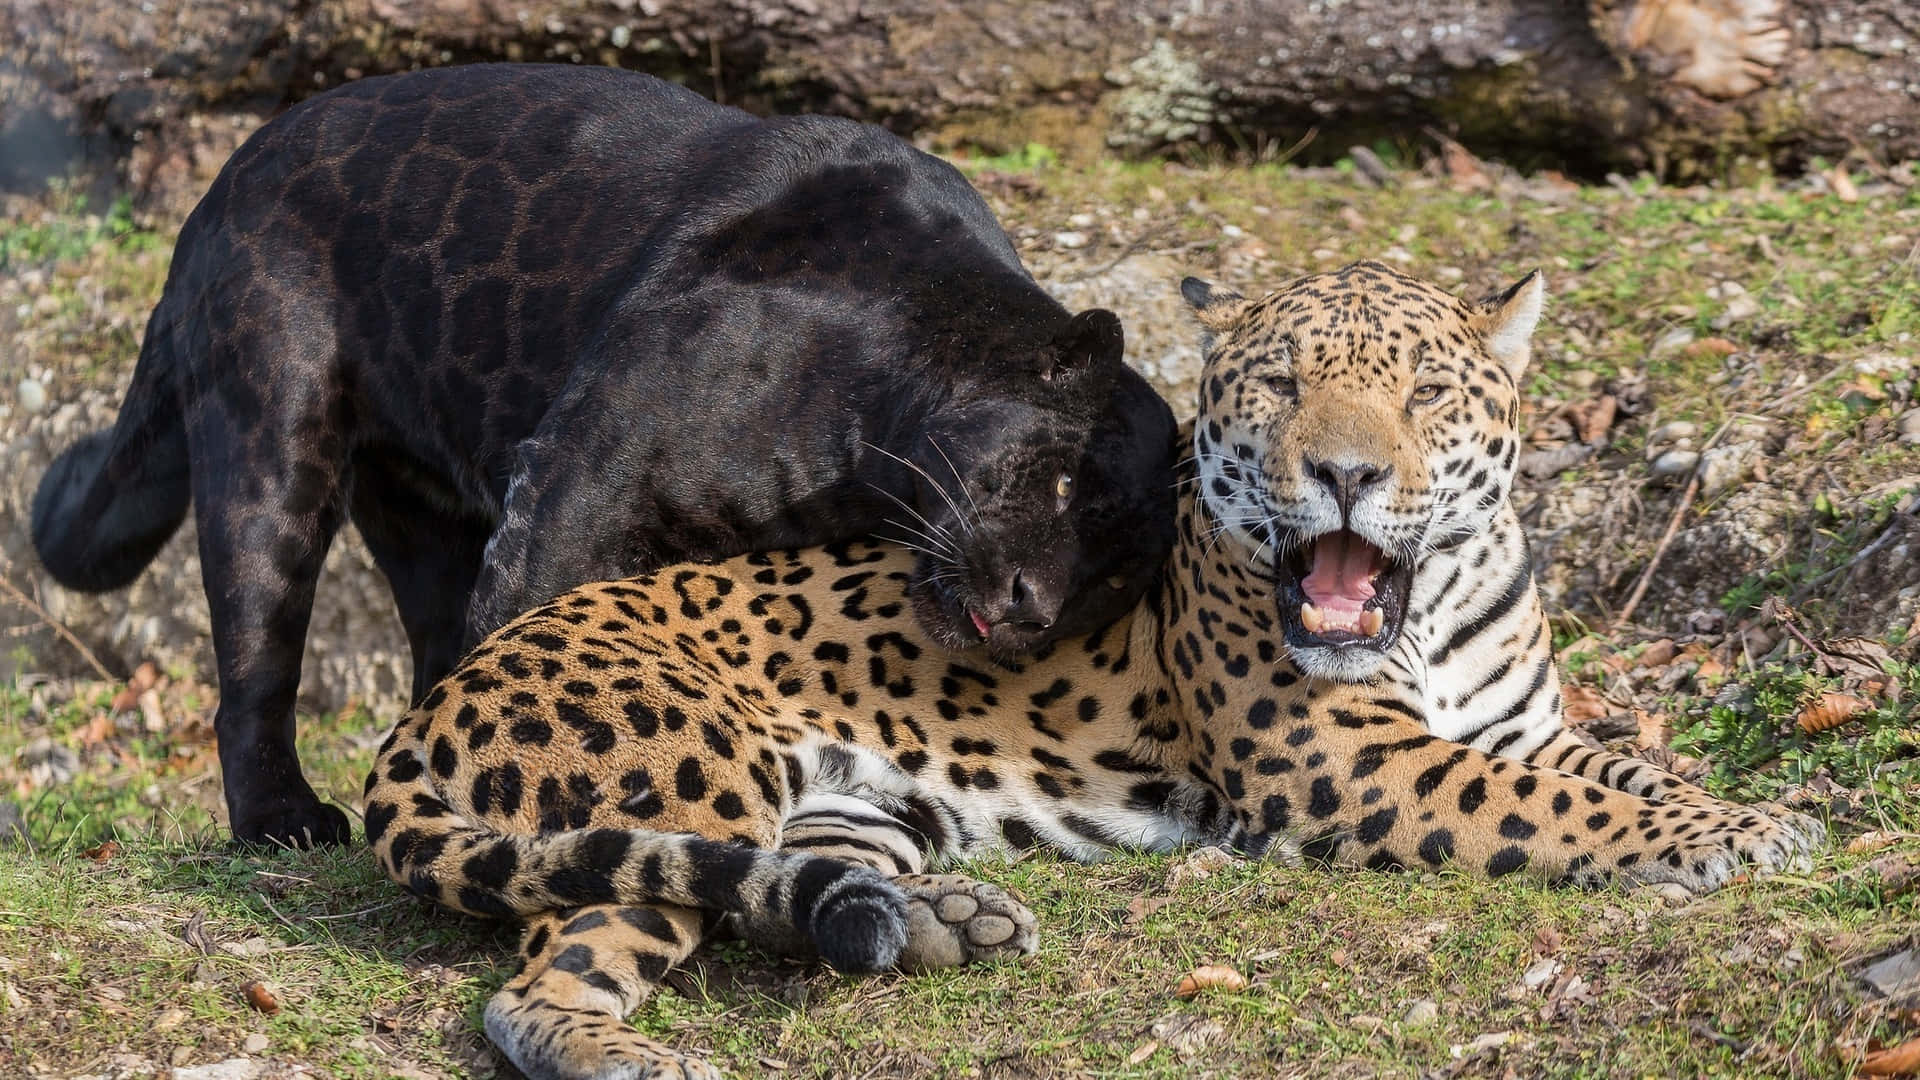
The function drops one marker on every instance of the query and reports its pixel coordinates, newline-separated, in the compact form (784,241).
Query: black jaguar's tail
(109,501)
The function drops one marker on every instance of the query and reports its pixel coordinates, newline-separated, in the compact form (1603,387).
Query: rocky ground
(1722,469)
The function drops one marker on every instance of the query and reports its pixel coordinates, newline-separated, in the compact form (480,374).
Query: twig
(17,596)
(1894,526)
(1673,528)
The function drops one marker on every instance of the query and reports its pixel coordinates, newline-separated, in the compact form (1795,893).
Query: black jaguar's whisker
(957,478)
(928,544)
(949,541)
(965,526)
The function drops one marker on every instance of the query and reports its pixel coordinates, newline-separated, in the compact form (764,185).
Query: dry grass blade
(19,596)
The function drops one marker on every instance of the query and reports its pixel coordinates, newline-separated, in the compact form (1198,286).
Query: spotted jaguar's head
(1349,424)
(1044,498)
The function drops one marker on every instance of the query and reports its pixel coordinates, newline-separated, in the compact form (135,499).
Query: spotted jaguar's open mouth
(1340,591)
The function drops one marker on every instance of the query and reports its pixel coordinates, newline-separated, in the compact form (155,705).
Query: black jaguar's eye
(1427,394)
(1117,581)
(1062,490)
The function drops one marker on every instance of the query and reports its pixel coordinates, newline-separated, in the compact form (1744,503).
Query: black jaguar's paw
(309,825)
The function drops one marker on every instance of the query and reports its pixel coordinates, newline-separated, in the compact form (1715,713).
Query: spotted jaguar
(1344,658)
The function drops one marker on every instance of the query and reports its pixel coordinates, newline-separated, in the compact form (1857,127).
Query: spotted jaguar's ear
(1092,340)
(1506,321)
(1217,306)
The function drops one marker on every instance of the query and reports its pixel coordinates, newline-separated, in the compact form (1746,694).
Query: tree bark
(1679,86)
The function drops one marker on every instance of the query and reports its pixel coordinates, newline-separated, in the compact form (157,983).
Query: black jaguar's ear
(1092,340)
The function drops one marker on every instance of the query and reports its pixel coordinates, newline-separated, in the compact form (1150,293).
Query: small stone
(1421,1013)
(230,1069)
(48,763)
(32,395)
(1739,310)
(1677,338)
(1909,426)
(1582,379)
(255,1043)
(1675,465)
(1541,973)
(1724,466)
(1673,432)
(170,1019)
(1070,240)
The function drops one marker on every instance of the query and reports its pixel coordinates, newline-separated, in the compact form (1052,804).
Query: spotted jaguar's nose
(1346,480)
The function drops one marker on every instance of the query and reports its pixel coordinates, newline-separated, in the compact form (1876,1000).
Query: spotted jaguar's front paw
(954,920)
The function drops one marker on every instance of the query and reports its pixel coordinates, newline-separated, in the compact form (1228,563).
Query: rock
(1897,975)
(1674,466)
(1724,466)
(32,396)
(1909,426)
(1072,241)
(1421,1013)
(1739,309)
(1677,338)
(255,1043)
(13,827)
(49,764)
(230,1069)
(1541,973)
(1674,432)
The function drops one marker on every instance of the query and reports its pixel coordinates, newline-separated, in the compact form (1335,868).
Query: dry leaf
(1898,874)
(1653,729)
(1546,941)
(1658,654)
(1339,958)
(1582,704)
(97,730)
(1842,185)
(1140,907)
(1709,669)
(1462,168)
(1830,711)
(151,715)
(1593,419)
(1210,977)
(1712,346)
(1868,842)
(1143,1051)
(1899,1060)
(102,852)
(260,998)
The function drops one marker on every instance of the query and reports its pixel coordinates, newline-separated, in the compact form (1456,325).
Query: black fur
(530,326)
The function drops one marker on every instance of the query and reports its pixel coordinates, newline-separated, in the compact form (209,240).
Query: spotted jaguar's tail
(853,915)
(110,501)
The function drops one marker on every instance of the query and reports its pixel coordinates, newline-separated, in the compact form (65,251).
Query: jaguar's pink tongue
(1339,580)
(980,623)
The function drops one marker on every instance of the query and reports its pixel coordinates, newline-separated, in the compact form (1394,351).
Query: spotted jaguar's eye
(1063,490)
(1284,386)
(1427,394)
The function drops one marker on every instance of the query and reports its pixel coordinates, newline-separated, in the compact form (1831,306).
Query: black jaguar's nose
(1029,606)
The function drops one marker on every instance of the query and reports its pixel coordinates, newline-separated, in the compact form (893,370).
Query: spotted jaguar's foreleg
(1370,786)
(585,969)
(951,919)
(1566,753)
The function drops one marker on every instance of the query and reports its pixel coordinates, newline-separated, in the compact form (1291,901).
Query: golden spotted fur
(770,741)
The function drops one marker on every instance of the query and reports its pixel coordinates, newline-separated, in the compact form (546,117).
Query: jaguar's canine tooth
(1371,621)
(1311,618)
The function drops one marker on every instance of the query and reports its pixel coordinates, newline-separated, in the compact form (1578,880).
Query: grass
(128,927)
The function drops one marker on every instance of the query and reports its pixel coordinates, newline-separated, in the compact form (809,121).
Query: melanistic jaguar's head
(1044,501)
(1349,424)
